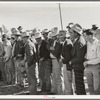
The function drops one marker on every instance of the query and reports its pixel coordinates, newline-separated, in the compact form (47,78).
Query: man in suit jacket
(18,55)
(55,51)
(30,54)
(78,54)
(44,60)
(66,57)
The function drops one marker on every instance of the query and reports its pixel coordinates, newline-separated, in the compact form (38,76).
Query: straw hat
(54,32)
(25,34)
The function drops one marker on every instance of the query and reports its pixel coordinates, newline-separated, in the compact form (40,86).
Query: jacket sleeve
(29,55)
(80,53)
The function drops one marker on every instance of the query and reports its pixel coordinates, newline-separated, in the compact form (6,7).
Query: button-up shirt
(93,52)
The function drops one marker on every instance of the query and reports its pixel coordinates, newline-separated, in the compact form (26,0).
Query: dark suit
(31,65)
(78,53)
(44,68)
(57,50)
(19,49)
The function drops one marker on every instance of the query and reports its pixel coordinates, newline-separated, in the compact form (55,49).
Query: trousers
(30,71)
(67,76)
(93,78)
(56,77)
(44,74)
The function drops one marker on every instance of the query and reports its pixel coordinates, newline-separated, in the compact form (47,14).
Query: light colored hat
(70,25)
(97,31)
(54,32)
(37,35)
(25,34)
(45,31)
(77,28)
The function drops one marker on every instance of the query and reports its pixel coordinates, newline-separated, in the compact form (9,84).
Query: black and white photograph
(49,48)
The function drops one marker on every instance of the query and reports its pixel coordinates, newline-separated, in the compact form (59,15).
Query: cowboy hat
(77,28)
(94,26)
(25,34)
(45,31)
(70,25)
(54,32)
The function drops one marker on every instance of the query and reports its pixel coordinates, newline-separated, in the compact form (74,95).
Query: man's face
(38,40)
(87,37)
(24,39)
(45,35)
(73,34)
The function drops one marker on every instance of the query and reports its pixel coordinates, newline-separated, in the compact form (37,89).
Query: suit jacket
(1,49)
(19,49)
(66,53)
(78,53)
(30,53)
(43,50)
(57,50)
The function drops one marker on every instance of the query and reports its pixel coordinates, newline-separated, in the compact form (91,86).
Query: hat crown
(77,28)
(54,31)
(25,34)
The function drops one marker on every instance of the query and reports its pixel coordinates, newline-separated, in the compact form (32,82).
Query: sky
(43,15)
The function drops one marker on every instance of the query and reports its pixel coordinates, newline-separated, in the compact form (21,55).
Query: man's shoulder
(82,40)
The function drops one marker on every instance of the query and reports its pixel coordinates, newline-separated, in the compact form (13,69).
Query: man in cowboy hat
(92,63)
(94,27)
(78,55)
(55,51)
(30,60)
(66,57)
(17,55)
(9,65)
(44,59)
(45,33)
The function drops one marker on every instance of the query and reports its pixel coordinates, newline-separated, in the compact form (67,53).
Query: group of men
(55,60)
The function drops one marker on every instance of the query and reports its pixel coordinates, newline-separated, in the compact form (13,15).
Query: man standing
(66,57)
(92,63)
(18,55)
(78,54)
(44,60)
(30,54)
(55,51)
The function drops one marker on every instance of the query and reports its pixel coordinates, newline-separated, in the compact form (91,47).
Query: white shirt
(93,52)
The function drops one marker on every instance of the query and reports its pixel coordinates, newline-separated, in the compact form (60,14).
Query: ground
(17,90)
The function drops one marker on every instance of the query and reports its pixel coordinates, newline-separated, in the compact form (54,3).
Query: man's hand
(51,48)
(41,59)
(85,63)
(70,62)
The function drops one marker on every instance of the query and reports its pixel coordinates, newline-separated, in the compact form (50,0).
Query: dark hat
(94,27)
(19,27)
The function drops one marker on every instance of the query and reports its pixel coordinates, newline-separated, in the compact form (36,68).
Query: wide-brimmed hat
(69,25)
(77,28)
(45,31)
(38,35)
(94,26)
(25,34)
(54,32)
